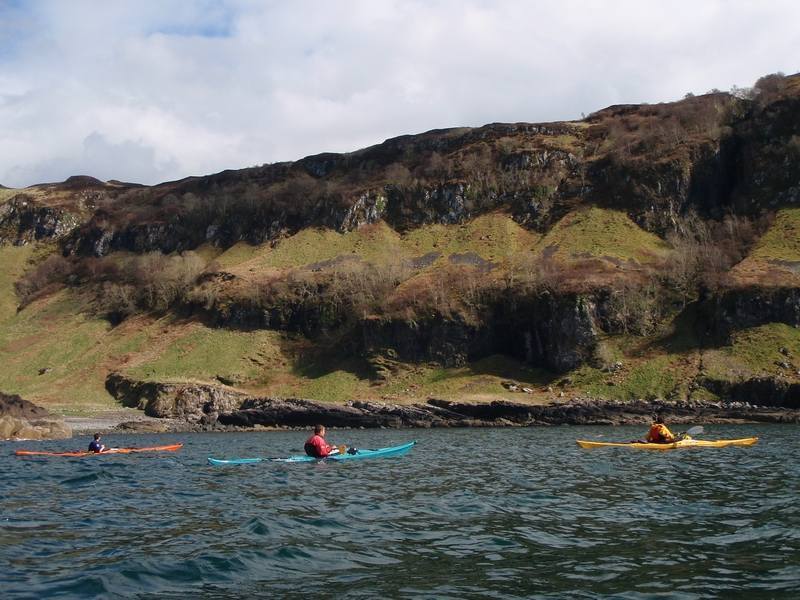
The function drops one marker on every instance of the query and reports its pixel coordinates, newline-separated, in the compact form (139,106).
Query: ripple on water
(514,513)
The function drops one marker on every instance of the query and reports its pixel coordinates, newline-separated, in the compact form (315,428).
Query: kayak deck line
(81,453)
(687,443)
(387,452)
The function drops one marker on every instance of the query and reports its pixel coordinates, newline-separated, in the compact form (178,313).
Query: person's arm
(323,448)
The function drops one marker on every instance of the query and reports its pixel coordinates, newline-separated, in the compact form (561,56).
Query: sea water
(468,513)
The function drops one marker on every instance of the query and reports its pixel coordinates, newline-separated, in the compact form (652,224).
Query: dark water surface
(482,513)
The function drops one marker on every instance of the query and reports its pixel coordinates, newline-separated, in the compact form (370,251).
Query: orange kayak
(171,448)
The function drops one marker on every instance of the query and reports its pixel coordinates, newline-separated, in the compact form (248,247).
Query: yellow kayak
(684,443)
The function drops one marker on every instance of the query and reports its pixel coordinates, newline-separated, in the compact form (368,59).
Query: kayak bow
(170,448)
(359,455)
(685,443)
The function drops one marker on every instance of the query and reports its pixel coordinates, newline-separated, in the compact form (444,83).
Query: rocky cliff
(569,247)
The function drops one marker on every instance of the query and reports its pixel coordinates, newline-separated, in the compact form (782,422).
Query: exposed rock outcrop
(191,402)
(770,391)
(749,307)
(213,407)
(24,220)
(20,419)
(276,412)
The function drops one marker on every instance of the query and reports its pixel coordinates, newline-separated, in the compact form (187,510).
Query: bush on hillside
(50,275)
(150,282)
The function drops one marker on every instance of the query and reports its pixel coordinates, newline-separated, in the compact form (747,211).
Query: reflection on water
(501,513)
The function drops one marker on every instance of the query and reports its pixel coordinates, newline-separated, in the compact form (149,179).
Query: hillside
(647,251)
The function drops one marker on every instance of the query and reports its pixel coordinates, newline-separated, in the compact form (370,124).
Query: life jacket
(659,434)
(315,446)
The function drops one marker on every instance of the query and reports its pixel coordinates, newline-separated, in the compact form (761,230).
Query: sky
(157,90)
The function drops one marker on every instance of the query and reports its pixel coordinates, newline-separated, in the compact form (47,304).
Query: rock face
(750,307)
(23,220)
(558,332)
(194,403)
(276,412)
(20,419)
(770,391)
(213,407)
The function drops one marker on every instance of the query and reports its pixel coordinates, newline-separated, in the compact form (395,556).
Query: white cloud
(172,88)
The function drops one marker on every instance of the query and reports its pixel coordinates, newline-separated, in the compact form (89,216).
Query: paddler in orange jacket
(659,433)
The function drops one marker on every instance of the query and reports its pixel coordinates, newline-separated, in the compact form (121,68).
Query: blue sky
(153,90)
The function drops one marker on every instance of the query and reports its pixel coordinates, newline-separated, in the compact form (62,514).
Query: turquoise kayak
(360,454)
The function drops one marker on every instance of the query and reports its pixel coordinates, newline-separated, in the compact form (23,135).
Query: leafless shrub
(49,275)
(398,175)
(705,251)
(637,307)
(150,282)
(769,88)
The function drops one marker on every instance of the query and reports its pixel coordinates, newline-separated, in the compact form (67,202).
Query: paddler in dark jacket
(316,445)
(95,445)
(659,433)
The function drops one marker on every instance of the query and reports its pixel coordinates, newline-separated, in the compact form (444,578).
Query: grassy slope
(775,259)
(58,332)
(755,352)
(599,233)
(196,352)
(782,240)
(14,260)
(7,193)
(494,237)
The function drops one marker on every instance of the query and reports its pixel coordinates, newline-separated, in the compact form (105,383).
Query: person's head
(319,430)
(96,436)
(658,418)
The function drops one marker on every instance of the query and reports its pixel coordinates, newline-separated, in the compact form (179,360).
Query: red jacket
(317,446)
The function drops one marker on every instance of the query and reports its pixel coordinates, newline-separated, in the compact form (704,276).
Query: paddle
(693,431)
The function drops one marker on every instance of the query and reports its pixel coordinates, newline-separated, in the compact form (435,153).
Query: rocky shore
(23,420)
(205,407)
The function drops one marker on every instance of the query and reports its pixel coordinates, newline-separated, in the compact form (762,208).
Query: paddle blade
(342,449)
(695,430)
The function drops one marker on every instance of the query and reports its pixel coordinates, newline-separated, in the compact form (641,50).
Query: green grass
(373,243)
(648,379)
(239,253)
(203,353)
(481,380)
(56,334)
(5,194)
(338,385)
(494,237)
(14,260)
(782,239)
(598,232)
(754,352)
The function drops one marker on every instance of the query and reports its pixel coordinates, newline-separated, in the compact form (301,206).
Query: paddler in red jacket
(316,445)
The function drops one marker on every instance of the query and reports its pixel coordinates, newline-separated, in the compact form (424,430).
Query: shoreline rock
(23,420)
(205,407)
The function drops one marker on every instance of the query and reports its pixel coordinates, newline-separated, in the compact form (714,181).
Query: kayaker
(95,445)
(659,433)
(316,445)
